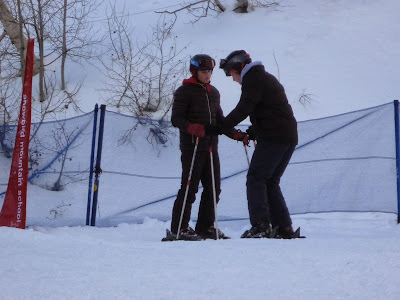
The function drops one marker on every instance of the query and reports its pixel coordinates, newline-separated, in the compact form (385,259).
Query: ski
(296,235)
(170,237)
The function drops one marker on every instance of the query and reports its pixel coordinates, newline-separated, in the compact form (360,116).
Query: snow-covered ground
(345,256)
(346,55)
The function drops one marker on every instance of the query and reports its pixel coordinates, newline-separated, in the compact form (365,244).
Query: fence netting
(343,163)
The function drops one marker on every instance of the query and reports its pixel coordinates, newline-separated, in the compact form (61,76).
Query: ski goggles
(208,64)
(223,65)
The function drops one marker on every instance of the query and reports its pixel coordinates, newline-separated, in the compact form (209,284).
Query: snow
(344,53)
(345,256)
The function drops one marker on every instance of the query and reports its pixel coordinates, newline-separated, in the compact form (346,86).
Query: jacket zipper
(208,102)
(209,108)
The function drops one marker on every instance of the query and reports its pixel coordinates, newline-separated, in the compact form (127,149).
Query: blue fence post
(97,169)
(96,109)
(396,124)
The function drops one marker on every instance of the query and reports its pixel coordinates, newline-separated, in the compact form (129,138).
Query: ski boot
(261,230)
(211,233)
(186,234)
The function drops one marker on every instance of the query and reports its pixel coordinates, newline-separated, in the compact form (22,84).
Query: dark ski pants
(264,196)
(201,173)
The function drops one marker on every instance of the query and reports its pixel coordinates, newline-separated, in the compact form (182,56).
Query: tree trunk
(220,6)
(12,29)
(64,46)
(41,52)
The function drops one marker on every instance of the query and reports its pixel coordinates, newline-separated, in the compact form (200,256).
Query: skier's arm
(218,128)
(179,110)
(251,95)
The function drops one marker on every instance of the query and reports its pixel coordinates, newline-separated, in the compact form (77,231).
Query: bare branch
(276,62)
(306,98)
(199,9)
(188,6)
(3,35)
(264,3)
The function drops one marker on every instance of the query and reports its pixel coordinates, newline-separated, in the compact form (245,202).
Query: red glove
(241,136)
(196,129)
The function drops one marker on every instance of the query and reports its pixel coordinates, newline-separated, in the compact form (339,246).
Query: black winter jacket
(264,100)
(196,103)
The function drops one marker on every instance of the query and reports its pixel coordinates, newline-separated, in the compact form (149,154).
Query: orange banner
(13,212)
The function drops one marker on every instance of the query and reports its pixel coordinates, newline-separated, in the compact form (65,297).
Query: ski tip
(297,235)
(168,237)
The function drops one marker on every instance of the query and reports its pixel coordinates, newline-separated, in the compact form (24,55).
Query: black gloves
(213,129)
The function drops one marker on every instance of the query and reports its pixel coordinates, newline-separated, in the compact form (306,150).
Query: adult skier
(274,127)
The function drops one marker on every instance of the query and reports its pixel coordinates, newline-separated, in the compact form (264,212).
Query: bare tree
(169,66)
(56,101)
(77,37)
(9,71)
(7,115)
(142,78)
(122,64)
(62,139)
(62,33)
(54,24)
(57,143)
(13,28)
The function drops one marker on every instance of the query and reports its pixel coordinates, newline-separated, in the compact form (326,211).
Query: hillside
(342,52)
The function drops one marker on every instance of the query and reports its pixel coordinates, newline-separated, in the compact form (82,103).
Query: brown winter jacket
(264,100)
(196,103)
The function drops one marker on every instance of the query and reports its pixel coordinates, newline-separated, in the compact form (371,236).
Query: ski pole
(247,154)
(187,187)
(214,192)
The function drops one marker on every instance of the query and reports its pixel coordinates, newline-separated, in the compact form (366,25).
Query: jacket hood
(248,67)
(193,80)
